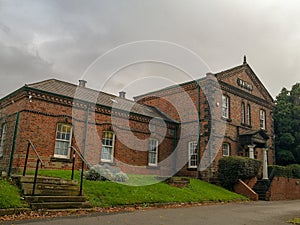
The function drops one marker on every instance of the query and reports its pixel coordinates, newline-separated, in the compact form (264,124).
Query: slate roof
(66,89)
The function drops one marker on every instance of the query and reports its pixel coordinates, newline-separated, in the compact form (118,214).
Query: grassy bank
(9,196)
(104,194)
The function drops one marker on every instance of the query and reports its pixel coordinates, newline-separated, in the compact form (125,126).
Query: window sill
(246,125)
(153,167)
(226,119)
(107,163)
(192,168)
(56,159)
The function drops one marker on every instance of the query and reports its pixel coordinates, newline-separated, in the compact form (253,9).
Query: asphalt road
(247,213)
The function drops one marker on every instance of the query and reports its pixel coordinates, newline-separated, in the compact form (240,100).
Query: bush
(105,172)
(291,171)
(231,169)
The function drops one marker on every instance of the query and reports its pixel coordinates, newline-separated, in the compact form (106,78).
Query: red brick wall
(283,188)
(38,122)
(243,189)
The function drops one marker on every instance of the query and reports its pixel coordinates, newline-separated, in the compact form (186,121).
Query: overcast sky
(62,39)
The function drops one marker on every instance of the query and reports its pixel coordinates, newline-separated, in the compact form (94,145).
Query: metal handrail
(80,155)
(39,160)
(35,151)
(82,166)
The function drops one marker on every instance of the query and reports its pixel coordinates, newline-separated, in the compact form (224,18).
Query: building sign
(244,84)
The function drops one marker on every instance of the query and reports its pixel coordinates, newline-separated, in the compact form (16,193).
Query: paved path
(247,213)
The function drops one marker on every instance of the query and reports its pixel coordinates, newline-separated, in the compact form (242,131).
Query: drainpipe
(13,145)
(199,130)
(86,129)
(175,149)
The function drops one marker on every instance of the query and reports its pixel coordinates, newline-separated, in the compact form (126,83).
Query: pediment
(244,78)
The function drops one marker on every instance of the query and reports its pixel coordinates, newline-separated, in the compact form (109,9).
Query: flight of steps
(261,188)
(51,193)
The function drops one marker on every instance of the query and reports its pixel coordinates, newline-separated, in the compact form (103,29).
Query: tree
(287,126)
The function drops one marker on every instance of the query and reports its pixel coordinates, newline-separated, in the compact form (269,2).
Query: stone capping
(243,189)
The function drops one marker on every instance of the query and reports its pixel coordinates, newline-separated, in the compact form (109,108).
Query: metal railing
(83,161)
(38,161)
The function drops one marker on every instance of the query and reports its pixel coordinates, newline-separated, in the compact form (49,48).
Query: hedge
(231,169)
(290,171)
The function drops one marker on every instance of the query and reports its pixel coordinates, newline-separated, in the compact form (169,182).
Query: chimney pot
(122,94)
(82,83)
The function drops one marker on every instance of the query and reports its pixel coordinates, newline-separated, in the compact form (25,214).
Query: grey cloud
(64,37)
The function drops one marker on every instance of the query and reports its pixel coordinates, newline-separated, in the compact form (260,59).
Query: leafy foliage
(231,169)
(291,171)
(287,126)
(105,172)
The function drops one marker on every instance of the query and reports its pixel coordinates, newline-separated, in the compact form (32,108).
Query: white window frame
(63,140)
(153,150)
(248,116)
(225,106)
(243,113)
(2,140)
(193,153)
(226,147)
(262,119)
(108,144)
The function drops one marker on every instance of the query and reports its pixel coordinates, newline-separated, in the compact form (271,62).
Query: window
(248,114)
(262,119)
(63,140)
(225,106)
(153,150)
(243,113)
(226,149)
(193,154)
(108,142)
(3,134)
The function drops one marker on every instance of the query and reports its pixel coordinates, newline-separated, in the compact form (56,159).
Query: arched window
(262,119)
(108,144)
(248,114)
(226,149)
(243,113)
(225,106)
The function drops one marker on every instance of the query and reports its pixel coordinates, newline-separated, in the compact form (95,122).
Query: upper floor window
(225,106)
(153,152)
(248,115)
(262,119)
(108,142)
(63,140)
(243,113)
(226,149)
(193,154)
(3,134)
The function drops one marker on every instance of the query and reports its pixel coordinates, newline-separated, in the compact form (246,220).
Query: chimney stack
(122,94)
(82,83)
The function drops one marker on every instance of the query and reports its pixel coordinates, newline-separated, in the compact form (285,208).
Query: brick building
(155,134)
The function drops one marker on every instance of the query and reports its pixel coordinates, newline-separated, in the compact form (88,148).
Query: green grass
(294,221)
(9,196)
(106,193)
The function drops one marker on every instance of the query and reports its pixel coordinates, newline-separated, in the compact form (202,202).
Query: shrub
(105,172)
(291,171)
(231,169)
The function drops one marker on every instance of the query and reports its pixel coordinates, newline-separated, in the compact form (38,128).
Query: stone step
(60,205)
(41,199)
(47,180)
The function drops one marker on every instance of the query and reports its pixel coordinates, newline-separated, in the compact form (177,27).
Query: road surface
(246,213)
